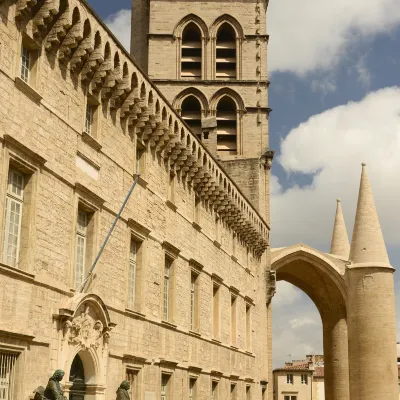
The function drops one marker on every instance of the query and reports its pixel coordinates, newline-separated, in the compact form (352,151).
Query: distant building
(300,379)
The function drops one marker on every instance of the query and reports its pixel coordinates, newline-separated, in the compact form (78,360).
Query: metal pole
(109,233)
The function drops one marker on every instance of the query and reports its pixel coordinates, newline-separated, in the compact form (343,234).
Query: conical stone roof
(340,245)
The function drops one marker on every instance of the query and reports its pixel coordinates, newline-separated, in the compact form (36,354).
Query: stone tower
(209,60)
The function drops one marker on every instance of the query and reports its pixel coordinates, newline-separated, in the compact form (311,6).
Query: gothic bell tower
(209,58)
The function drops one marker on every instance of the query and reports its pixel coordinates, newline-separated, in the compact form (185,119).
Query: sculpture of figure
(53,390)
(123,391)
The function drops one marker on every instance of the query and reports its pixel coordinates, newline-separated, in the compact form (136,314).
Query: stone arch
(191,18)
(235,96)
(321,277)
(191,91)
(230,20)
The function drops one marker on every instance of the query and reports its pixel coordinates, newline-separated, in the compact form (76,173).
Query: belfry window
(191,52)
(226,52)
(226,127)
(191,113)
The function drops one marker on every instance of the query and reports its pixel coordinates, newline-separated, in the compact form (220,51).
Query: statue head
(58,375)
(125,385)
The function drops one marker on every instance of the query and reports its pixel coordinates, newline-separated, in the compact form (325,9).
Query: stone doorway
(77,380)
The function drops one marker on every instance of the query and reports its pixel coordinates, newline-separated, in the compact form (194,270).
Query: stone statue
(53,390)
(123,391)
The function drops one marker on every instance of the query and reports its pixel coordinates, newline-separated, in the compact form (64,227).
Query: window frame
(289,379)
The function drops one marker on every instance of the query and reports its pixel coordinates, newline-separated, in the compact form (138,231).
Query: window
(290,398)
(13,217)
(216,310)
(132,274)
(167,289)
(233,391)
(25,63)
(84,244)
(191,113)
(90,118)
(304,379)
(197,209)
(263,393)
(192,389)
(226,127)
(214,390)
(139,159)
(226,52)
(217,228)
(191,52)
(165,386)
(248,327)
(132,376)
(171,187)
(248,392)
(233,320)
(289,379)
(193,301)
(7,374)
(81,234)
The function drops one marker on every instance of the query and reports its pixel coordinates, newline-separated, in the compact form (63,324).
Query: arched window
(226,127)
(191,113)
(226,52)
(191,58)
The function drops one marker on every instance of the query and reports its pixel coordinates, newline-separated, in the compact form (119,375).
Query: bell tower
(209,58)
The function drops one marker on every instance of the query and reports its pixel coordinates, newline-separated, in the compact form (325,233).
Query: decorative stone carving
(85,330)
(271,285)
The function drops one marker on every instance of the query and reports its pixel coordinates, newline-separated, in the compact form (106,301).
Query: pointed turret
(367,245)
(340,245)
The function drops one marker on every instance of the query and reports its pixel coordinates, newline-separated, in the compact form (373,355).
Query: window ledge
(196,226)
(135,314)
(27,89)
(141,181)
(91,141)
(234,258)
(7,269)
(171,205)
(169,324)
(195,333)
(233,346)
(216,341)
(217,244)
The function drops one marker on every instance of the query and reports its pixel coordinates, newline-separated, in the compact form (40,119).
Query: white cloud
(313,34)
(364,76)
(120,25)
(325,86)
(286,294)
(302,322)
(331,146)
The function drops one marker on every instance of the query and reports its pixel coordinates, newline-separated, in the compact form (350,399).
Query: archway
(321,277)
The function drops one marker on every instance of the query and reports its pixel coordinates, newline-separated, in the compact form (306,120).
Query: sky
(334,69)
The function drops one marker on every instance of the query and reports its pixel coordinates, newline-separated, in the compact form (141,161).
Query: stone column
(372,334)
(336,363)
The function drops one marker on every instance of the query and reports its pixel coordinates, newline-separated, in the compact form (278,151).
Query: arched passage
(321,277)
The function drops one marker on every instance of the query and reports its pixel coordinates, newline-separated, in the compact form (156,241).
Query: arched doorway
(321,277)
(77,379)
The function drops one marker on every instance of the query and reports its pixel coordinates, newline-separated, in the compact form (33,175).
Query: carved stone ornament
(84,330)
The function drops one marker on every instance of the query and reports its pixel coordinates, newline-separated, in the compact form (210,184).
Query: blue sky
(334,69)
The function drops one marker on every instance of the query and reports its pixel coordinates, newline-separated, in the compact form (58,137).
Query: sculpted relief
(85,330)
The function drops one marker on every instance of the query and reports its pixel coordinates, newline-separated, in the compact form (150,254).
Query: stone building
(180,300)
(300,379)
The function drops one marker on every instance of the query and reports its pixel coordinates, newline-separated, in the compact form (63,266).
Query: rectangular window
(233,391)
(7,374)
(289,379)
(165,386)
(132,274)
(233,320)
(217,228)
(248,327)
(248,392)
(290,398)
(192,388)
(216,311)
(197,209)
(167,288)
(132,378)
(304,379)
(81,242)
(13,217)
(171,187)
(25,63)
(89,118)
(263,393)
(214,390)
(193,301)
(139,159)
